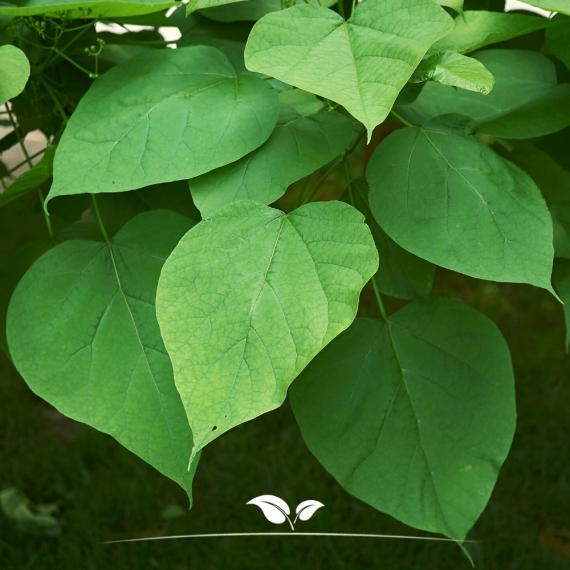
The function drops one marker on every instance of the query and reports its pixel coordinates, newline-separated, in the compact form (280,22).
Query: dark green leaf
(361,64)
(298,146)
(558,39)
(82,331)
(249,296)
(442,194)
(162,116)
(414,415)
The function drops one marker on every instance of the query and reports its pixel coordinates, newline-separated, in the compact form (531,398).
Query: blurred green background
(98,491)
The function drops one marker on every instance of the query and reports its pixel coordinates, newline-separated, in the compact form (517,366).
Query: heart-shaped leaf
(82,331)
(297,147)
(414,415)
(450,68)
(276,510)
(541,106)
(362,63)
(307,509)
(249,296)
(14,72)
(149,120)
(442,194)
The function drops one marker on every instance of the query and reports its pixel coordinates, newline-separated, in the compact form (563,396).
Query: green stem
(378,298)
(54,99)
(348,176)
(20,164)
(66,46)
(341,8)
(353,7)
(81,68)
(46,217)
(401,119)
(95,209)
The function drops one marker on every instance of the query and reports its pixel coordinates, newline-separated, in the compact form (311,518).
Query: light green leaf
(298,146)
(162,116)
(442,194)
(303,102)
(88,9)
(31,179)
(561,6)
(82,331)
(475,29)
(561,280)
(250,296)
(414,415)
(449,68)
(14,72)
(558,39)
(253,10)
(554,183)
(400,273)
(540,106)
(361,64)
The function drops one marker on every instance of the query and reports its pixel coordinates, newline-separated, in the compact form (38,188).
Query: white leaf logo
(277,511)
(306,509)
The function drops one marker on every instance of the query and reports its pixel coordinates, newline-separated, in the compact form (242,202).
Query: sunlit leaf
(14,71)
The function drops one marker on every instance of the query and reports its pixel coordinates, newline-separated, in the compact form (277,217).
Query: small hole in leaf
(214,428)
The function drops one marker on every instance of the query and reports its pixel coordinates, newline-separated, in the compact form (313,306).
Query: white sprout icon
(277,511)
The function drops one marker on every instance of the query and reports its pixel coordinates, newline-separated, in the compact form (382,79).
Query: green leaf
(475,29)
(554,183)
(561,280)
(400,273)
(298,146)
(361,64)
(194,5)
(162,116)
(456,5)
(551,5)
(442,194)
(253,10)
(449,68)
(250,296)
(170,196)
(14,72)
(558,39)
(82,331)
(414,415)
(303,102)
(86,9)
(31,179)
(540,106)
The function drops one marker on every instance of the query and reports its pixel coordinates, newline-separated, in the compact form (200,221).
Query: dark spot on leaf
(214,428)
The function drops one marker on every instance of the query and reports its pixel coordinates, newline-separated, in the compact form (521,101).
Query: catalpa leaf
(400,273)
(362,63)
(303,102)
(14,72)
(541,106)
(249,296)
(307,509)
(86,9)
(442,194)
(551,5)
(449,68)
(414,415)
(558,39)
(161,116)
(297,147)
(276,510)
(475,29)
(82,331)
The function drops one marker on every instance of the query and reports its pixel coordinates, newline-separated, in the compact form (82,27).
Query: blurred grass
(106,493)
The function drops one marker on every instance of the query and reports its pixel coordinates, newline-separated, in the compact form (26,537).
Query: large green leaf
(525,102)
(14,72)
(414,415)
(161,116)
(82,331)
(442,194)
(91,9)
(475,29)
(250,296)
(561,6)
(31,179)
(450,68)
(362,63)
(400,273)
(558,39)
(252,10)
(298,146)
(554,183)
